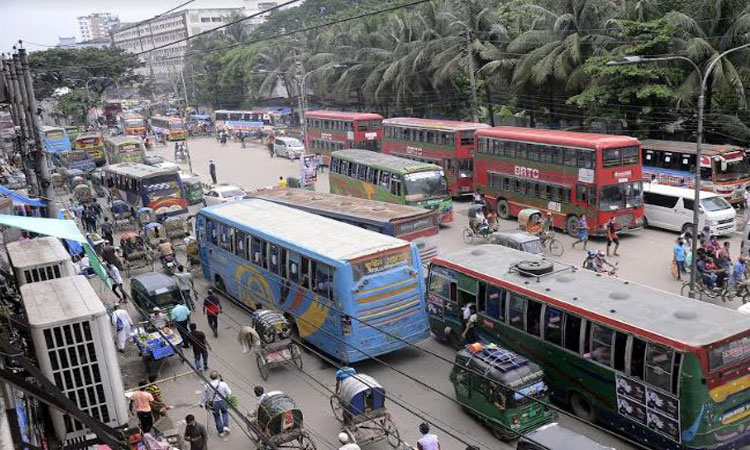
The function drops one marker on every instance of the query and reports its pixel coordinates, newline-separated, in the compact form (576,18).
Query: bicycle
(484,232)
(551,244)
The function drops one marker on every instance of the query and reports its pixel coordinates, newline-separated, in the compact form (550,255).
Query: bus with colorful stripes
(121,149)
(447,143)
(142,186)
(405,222)
(387,178)
(566,173)
(55,139)
(351,292)
(172,128)
(133,124)
(93,144)
(667,371)
(233,120)
(328,131)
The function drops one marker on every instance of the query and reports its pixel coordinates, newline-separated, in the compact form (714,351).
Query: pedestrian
(242,139)
(212,170)
(319,159)
(114,275)
(611,230)
(200,346)
(180,315)
(679,257)
(195,433)
(223,138)
(141,401)
(248,338)
(158,407)
(747,204)
(270,142)
(157,319)
(583,232)
(738,273)
(345,444)
(107,230)
(84,266)
(122,322)
(281,183)
(428,441)
(214,398)
(212,309)
(184,281)
(91,219)
(706,234)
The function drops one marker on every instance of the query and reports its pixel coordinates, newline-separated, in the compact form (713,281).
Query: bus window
(570,157)
(293,265)
(323,279)
(611,157)
(533,317)
(212,232)
(334,165)
(621,339)
(352,170)
(395,186)
(586,159)
(659,366)
(629,156)
(495,303)
(637,358)
(282,262)
(573,333)
(305,272)
(240,248)
(344,168)
(601,345)
(273,258)
(553,325)
(516,311)
(362,172)
(439,286)
(372,175)
(264,254)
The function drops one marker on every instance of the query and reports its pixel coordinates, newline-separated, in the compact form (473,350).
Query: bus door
(450,168)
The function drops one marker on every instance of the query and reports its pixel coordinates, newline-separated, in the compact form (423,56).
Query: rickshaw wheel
(305,442)
(468,236)
(296,355)
(555,247)
(262,368)
(503,209)
(338,411)
(391,433)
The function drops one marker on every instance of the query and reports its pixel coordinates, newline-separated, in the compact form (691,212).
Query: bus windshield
(135,123)
(465,167)
(734,170)
(621,195)
(423,185)
(175,125)
(730,353)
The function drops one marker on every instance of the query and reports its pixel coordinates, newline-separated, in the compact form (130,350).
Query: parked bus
(404,222)
(170,127)
(73,132)
(566,173)
(145,186)
(447,143)
(374,176)
(74,159)
(234,121)
(124,149)
(328,131)
(133,124)
(665,370)
(112,110)
(93,144)
(342,286)
(724,169)
(55,139)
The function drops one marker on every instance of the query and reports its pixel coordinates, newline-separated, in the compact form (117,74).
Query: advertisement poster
(641,403)
(308,170)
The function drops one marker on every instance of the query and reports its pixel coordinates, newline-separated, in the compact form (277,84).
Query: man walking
(114,275)
(212,309)
(180,315)
(611,229)
(195,433)
(583,232)
(747,204)
(185,283)
(679,256)
(215,398)
(141,400)
(428,441)
(107,230)
(122,322)
(212,170)
(200,347)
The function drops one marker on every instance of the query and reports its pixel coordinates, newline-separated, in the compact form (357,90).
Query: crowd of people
(714,264)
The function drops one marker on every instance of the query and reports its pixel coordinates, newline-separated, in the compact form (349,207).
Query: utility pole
(187,150)
(472,79)
(42,167)
(23,123)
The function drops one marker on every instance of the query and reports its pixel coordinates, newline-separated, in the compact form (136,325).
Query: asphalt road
(645,258)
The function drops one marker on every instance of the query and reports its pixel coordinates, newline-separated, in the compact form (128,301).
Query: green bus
(123,148)
(375,176)
(665,370)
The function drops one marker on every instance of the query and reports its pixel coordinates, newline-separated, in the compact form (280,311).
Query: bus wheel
(219,283)
(571,226)
(503,209)
(581,407)
(455,340)
(688,228)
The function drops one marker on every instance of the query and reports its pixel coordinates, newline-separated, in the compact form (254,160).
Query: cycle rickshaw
(82,193)
(176,230)
(134,252)
(276,346)
(532,221)
(144,216)
(153,233)
(122,215)
(359,405)
(277,424)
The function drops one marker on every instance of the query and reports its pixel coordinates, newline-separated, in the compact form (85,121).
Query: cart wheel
(391,433)
(305,442)
(556,248)
(296,355)
(338,411)
(468,236)
(262,368)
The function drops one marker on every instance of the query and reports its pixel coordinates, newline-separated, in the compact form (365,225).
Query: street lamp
(703,76)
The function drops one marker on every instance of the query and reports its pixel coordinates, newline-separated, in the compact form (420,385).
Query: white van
(671,208)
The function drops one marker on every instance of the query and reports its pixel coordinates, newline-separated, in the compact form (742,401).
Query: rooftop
(383,160)
(61,300)
(435,124)
(343,115)
(688,147)
(559,137)
(138,170)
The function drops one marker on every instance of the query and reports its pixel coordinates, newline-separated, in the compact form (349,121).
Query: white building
(96,26)
(165,64)
(258,6)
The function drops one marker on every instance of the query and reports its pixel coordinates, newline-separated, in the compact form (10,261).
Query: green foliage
(75,103)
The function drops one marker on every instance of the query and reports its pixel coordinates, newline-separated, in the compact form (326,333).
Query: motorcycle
(169,264)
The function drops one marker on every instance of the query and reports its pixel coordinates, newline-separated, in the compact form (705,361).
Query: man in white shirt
(428,441)
(122,322)
(345,444)
(747,204)
(114,275)
(158,320)
(215,397)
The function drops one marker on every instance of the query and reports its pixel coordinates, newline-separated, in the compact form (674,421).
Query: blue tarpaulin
(18,198)
(74,248)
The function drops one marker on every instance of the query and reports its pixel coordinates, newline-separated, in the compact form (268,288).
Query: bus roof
(559,137)
(435,124)
(46,128)
(383,161)
(89,135)
(60,300)
(343,115)
(327,237)
(682,321)
(170,118)
(138,170)
(368,210)
(123,139)
(688,147)
(676,191)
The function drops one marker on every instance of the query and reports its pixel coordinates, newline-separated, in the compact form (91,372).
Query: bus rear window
(729,354)
(381,263)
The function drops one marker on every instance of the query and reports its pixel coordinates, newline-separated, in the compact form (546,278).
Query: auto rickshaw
(96,182)
(193,189)
(509,413)
(122,215)
(530,220)
(134,253)
(358,403)
(278,424)
(58,183)
(82,193)
(144,216)
(152,234)
(176,229)
(276,345)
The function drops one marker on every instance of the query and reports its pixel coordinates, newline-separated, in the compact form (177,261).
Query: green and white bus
(665,370)
(375,176)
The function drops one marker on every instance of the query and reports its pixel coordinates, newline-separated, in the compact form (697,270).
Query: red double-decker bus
(566,173)
(447,143)
(328,131)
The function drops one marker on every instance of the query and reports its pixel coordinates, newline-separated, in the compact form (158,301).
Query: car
(556,437)
(289,147)
(223,193)
(154,289)
(519,240)
(158,161)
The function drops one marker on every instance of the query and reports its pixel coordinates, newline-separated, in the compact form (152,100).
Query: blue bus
(55,139)
(347,290)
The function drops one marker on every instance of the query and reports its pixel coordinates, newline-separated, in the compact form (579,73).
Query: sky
(43,21)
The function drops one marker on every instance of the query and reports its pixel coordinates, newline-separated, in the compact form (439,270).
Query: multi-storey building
(96,26)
